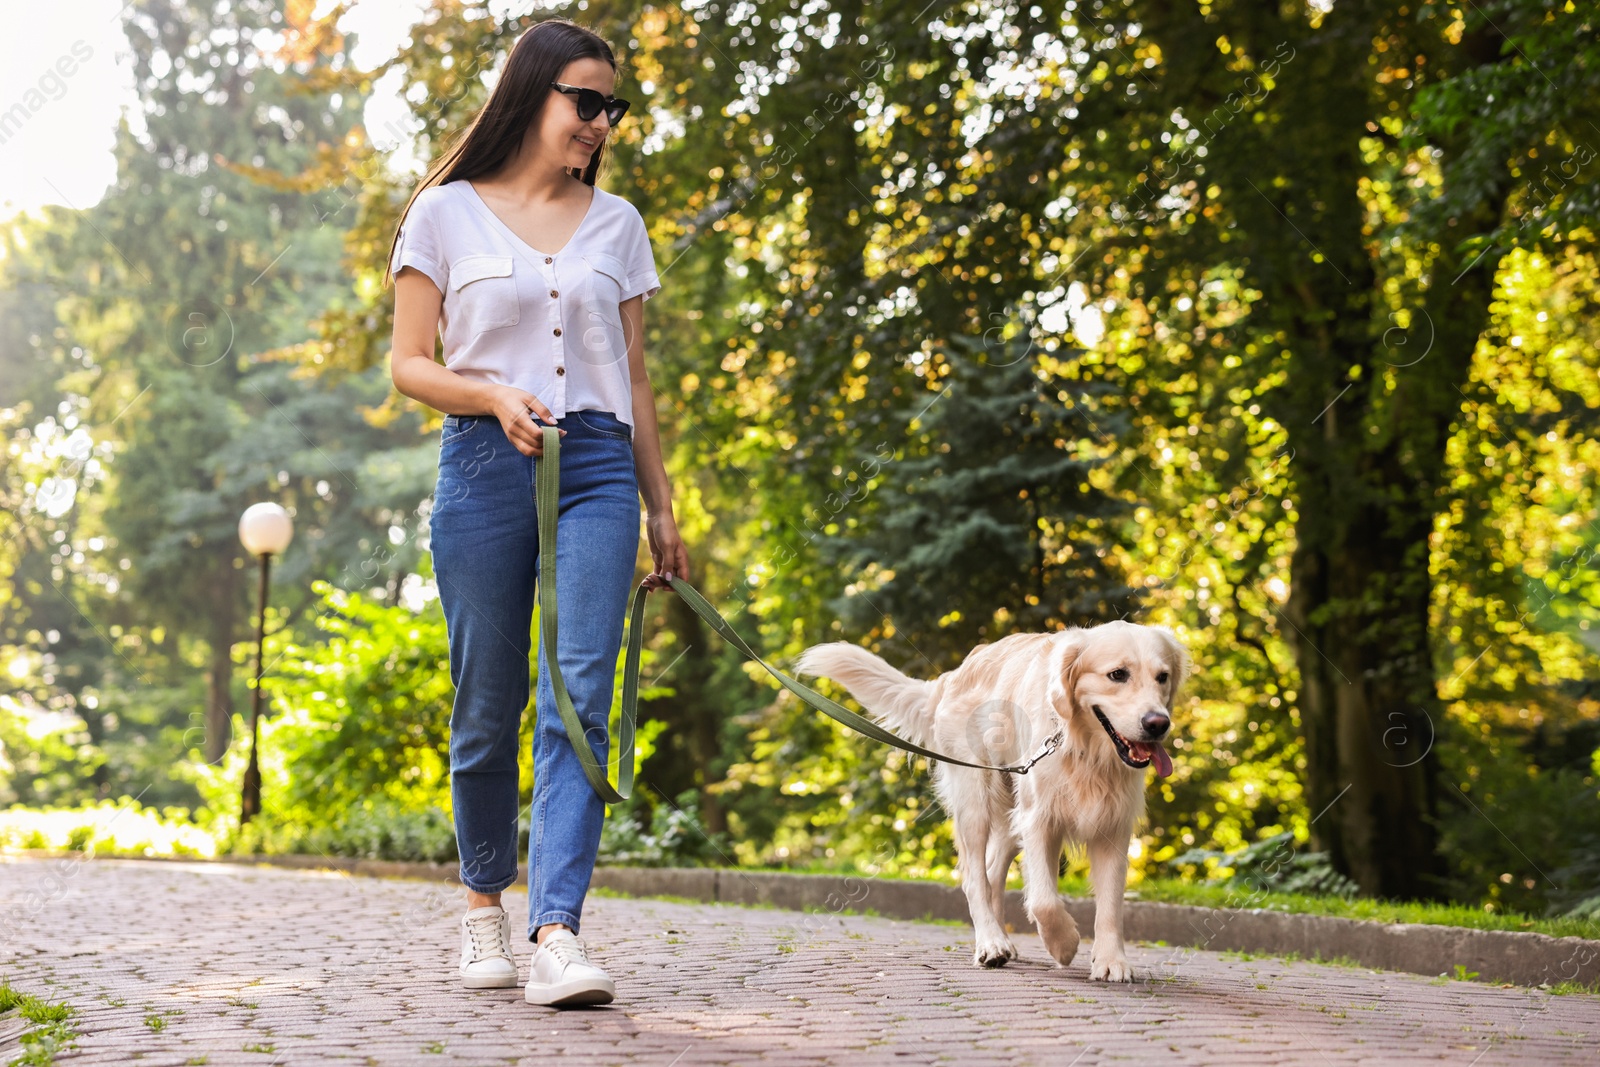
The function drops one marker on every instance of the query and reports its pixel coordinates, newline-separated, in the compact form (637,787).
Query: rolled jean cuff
(488,887)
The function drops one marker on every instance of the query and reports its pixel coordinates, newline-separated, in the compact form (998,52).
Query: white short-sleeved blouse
(549,323)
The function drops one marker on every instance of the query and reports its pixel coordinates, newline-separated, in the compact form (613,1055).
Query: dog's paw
(1061,938)
(1110,969)
(993,952)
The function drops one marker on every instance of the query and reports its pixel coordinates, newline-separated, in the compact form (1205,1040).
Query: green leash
(548,480)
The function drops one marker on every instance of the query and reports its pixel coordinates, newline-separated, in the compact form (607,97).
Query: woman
(533,337)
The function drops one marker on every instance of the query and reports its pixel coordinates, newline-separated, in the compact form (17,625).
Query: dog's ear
(1182,665)
(1066,648)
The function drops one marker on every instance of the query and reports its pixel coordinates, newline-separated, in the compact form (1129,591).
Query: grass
(157,1021)
(1565,989)
(1201,894)
(1172,891)
(52,1031)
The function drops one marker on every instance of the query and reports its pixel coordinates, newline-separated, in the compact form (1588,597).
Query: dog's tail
(904,705)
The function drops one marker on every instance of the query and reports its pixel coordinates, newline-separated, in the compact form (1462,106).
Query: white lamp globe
(265,529)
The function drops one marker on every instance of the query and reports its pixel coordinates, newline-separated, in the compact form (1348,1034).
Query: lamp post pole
(250,800)
(265,530)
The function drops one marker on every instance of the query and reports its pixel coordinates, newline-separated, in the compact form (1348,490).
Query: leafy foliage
(992,502)
(674,836)
(1275,865)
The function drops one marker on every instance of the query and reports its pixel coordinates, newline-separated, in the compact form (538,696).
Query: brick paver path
(188,963)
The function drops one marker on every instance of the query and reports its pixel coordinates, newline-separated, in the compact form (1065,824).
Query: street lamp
(265,530)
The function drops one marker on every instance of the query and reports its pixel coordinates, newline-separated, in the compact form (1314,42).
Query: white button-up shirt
(546,322)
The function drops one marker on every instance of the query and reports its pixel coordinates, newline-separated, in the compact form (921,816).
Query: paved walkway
(190,963)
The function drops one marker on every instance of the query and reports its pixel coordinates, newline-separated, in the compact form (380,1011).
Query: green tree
(991,515)
(1318,154)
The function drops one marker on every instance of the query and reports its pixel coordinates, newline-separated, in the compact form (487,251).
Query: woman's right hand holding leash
(519,412)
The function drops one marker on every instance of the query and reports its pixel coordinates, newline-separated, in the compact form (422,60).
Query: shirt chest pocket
(603,341)
(485,291)
(607,277)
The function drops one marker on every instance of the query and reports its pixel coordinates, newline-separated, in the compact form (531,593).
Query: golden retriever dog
(1110,688)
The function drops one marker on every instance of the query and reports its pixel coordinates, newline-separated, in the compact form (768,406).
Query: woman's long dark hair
(517,100)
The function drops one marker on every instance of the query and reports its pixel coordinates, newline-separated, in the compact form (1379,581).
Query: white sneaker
(562,975)
(486,961)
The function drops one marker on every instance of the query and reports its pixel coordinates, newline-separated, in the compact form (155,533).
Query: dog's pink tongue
(1163,762)
(1155,754)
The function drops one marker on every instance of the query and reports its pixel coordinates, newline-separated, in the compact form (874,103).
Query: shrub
(674,836)
(1273,865)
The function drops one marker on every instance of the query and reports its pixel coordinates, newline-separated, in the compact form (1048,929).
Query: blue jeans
(485,545)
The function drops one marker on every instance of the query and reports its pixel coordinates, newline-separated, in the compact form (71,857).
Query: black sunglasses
(590,102)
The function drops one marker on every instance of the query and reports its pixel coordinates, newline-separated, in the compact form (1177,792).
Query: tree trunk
(1360,607)
(1359,614)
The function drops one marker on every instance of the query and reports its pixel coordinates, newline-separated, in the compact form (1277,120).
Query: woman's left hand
(667,550)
